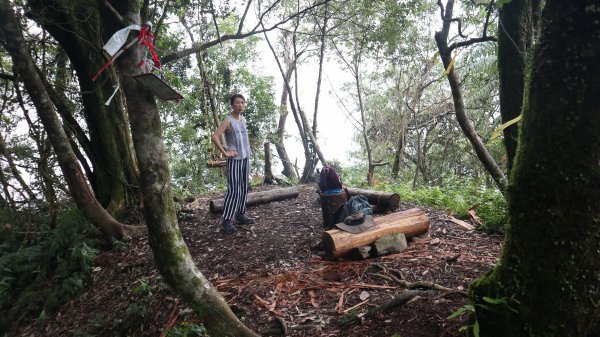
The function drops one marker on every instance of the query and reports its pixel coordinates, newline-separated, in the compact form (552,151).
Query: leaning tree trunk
(514,36)
(171,254)
(550,266)
(85,200)
(441,39)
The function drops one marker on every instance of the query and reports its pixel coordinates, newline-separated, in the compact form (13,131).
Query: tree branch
(116,13)
(203,46)
(162,19)
(241,25)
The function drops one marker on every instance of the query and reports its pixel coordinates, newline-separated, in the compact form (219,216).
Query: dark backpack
(356,204)
(329,179)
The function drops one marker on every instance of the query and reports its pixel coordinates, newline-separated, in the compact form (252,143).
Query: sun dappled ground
(273,281)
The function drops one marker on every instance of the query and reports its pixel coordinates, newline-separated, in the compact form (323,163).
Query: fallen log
(258,198)
(411,223)
(383,200)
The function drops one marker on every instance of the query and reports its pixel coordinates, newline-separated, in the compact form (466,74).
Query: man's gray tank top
(237,137)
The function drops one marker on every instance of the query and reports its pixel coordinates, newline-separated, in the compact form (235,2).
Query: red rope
(146,39)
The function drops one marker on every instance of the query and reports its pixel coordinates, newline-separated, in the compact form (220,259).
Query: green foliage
(135,316)
(456,195)
(187,329)
(37,278)
(472,310)
(143,287)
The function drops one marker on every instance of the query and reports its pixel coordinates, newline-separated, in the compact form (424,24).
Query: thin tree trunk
(400,143)
(300,118)
(8,199)
(310,161)
(171,254)
(269,178)
(13,168)
(441,39)
(44,171)
(288,167)
(548,272)
(371,167)
(23,63)
(320,75)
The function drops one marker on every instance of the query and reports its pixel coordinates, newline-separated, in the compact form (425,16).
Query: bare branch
(214,18)
(243,17)
(238,36)
(487,17)
(162,18)
(471,41)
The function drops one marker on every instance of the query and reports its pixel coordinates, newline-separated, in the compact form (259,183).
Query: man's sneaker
(228,227)
(244,219)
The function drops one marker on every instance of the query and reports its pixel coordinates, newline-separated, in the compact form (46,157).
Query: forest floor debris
(277,284)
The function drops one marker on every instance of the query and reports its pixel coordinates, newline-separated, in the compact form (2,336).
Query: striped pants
(237,188)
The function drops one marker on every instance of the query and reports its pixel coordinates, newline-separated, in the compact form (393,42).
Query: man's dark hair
(234,96)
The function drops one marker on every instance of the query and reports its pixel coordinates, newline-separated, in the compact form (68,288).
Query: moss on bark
(549,271)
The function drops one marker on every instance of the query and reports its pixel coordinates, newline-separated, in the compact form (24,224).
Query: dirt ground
(272,279)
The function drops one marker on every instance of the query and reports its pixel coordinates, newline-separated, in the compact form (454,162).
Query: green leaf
(476,329)
(461,311)
(494,300)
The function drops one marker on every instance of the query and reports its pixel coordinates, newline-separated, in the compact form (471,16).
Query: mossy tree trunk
(14,42)
(550,268)
(514,40)
(171,254)
(75,25)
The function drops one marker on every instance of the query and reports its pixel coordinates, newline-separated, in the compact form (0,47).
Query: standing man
(237,154)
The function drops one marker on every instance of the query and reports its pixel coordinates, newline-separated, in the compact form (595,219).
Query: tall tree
(171,254)
(547,281)
(170,251)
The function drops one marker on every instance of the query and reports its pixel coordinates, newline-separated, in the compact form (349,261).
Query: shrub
(49,271)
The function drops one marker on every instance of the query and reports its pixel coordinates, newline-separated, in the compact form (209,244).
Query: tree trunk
(320,73)
(411,223)
(111,152)
(371,167)
(308,139)
(171,254)
(259,198)
(383,200)
(441,39)
(548,273)
(13,168)
(401,142)
(288,167)
(514,36)
(23,63)
(269,178)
